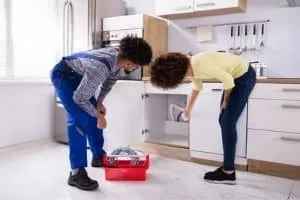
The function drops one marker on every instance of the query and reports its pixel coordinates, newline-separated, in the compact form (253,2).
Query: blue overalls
(81,126)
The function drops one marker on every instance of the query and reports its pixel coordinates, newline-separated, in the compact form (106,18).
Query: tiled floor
(39,171)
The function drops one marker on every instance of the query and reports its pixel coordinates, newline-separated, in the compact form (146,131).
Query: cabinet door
(274,115)
(205,131)
(164,7)
(201,5)
(281,147)
(125,114)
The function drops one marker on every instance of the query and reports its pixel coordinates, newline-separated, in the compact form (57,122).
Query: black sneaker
(219,176)
(82,181)
(97,162)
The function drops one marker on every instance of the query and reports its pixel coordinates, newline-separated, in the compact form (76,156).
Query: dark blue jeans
(81,126)
(229,116)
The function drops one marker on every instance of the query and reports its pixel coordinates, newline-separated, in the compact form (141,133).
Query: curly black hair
(135,49)
(169,70)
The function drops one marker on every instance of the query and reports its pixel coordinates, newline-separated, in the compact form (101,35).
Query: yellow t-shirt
(224,67)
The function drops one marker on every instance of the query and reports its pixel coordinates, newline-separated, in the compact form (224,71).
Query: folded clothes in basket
(124,151)
(126,164)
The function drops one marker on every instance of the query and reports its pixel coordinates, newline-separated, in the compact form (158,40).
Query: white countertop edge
(25,81)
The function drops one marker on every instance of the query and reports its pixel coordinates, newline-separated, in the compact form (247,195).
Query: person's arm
(227,80)
(92,78)
(227,94)
(191,102)
(104,90)
(197,85)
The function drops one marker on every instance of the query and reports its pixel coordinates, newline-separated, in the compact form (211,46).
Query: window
(30,50)
(3,39)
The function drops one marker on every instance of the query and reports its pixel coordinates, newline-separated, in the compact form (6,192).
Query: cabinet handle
(291,139)
(183,8)
(287,106)
(65,28)
(71,29)
(91,23)
(217,90)
(208,4)
(290,90)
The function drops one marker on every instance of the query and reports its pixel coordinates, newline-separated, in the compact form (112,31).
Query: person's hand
(224,105)
(101,121)
(186,115)
(101,109)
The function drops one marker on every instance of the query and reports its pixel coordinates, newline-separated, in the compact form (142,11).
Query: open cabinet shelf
(158,123)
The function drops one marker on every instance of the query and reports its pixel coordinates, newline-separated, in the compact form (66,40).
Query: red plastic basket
(126,168)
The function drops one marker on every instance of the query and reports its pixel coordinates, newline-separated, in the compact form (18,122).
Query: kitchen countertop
(259,80)
(280,80)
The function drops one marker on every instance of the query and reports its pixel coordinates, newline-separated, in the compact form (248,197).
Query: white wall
(139,6)
(283,42)
(26,111)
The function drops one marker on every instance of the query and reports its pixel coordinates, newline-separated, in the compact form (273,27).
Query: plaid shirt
(98,68)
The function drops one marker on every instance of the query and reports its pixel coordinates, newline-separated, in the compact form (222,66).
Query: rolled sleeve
(91,80)
(228,82)
(226,79)
(197,84)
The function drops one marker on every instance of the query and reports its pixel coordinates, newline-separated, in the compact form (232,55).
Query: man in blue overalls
(76,79)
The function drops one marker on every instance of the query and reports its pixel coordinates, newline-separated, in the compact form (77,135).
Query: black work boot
(98,162)
(219,176)
(82,181)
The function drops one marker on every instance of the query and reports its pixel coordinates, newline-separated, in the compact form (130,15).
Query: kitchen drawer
(276,91)
(185,88)
(274,115)
(274,147)
(212,88)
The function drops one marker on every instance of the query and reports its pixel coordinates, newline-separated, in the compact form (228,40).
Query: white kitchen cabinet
(281,147)
(165,7)
(182,89)
(201,5)
(136,115)
(205,131)
(159,128)
(275,115)
(125,114)
(276,91)
(195,8)
(273,129)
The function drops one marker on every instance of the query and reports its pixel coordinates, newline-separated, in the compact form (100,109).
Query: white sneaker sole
(172,108)
(222,182)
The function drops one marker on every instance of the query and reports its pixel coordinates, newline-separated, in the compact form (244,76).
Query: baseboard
(274,169)
(243,164)
(165,151)
(216,157)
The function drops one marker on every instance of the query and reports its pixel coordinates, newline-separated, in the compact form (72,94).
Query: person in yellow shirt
(238,78)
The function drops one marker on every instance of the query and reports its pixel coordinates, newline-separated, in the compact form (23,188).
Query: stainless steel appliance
(79,25)
(153,30)
(293,3)
(116,28)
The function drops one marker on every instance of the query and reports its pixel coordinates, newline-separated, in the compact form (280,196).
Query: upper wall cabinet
(173,9)
(170,7)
